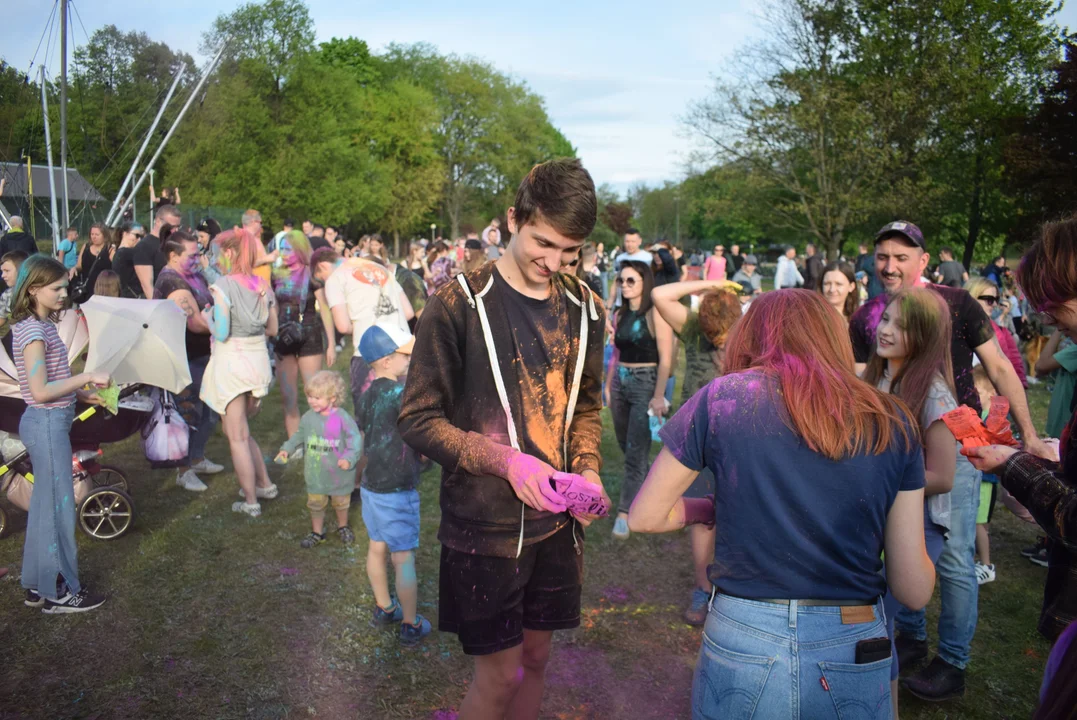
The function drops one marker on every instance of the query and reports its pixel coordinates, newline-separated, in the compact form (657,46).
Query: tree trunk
(975,210)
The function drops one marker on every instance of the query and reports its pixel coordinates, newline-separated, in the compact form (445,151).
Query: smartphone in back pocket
(872,650)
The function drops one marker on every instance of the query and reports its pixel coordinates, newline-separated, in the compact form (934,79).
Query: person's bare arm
(664,336)
(405,305)
(667,299)
(909,571)
(326,316)
(341,319)
(1046,362)
(659,506)
(145,279)
(178,201)
(272,323)
(196,322)
(940,459)
(1006,382)
(37,376)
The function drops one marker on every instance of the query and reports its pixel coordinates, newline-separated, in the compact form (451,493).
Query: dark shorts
(313,333)
(360,375)
(489,601)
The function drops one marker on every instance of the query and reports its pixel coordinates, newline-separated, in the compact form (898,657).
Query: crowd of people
(811,457)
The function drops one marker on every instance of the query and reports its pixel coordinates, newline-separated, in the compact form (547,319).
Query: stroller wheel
(106,513)
(3,521)
(109,476)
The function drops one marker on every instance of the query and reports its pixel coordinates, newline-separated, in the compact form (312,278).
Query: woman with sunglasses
(987,294)
(637,378)
(123,262)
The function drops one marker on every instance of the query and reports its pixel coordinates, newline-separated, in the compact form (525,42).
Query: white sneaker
(263,493)
(984,573)
(190,481)
(207,467)
(254,510)
(620,529)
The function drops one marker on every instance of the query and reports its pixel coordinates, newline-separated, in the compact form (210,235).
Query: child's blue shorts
(392,518)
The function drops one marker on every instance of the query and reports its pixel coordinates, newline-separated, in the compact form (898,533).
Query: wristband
(699,511)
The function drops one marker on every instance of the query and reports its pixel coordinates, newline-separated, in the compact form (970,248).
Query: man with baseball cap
(900,260)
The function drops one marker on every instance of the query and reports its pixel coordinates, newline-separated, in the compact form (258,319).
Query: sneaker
(696,614)
(346,535)
(311,540)
(1041,542)
(412,634)
(33,599)
(207,467)
(984,573)
(263,493)
(190,481)
(1040,558)
(79,602)
(910,651)
(937,682)
(392,615)
(620,529)
(254,510)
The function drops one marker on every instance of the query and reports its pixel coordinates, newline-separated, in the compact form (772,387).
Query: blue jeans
(761,660)
(204,419)
(934,537)
(50,553)
(630,395)
(958,589)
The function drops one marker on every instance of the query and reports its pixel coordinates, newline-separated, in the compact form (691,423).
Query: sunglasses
(989,299)
(627,282)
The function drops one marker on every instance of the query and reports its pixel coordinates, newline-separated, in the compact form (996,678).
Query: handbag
(291,335)
(165,437)
(80,288)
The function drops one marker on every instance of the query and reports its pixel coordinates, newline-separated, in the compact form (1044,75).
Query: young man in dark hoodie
(507,391)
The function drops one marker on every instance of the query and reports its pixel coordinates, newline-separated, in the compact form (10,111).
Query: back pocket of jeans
(859,692)
(728,684)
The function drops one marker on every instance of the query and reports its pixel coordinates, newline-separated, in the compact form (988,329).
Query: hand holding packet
(582,496)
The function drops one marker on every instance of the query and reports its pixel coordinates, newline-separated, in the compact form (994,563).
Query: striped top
(56,365)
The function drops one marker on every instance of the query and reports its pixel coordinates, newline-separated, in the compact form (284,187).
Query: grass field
(214,615)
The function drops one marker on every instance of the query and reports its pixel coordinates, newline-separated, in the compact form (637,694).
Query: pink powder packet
(582,496)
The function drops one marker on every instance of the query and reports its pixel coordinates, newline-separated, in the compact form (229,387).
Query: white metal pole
(52,177)
(194,93)
(63,109)
(149,135)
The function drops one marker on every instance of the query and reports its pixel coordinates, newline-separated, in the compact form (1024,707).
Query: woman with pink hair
(244,312)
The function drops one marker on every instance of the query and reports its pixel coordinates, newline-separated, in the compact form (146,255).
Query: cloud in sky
(615,75)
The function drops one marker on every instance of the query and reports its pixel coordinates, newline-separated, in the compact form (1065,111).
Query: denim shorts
(764,660)
(392,518)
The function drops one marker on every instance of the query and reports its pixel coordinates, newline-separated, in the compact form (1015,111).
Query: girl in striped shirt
(49,560)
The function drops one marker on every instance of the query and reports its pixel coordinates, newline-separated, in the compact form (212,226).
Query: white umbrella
(138,341)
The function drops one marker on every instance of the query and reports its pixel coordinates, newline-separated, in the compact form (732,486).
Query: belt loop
(793,614)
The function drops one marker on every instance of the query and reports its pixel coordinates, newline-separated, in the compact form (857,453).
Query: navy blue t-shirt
(791,523)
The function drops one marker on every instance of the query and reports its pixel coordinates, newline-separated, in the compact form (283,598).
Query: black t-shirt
(16,240)
(148,252)
(541,342)
(123,263)
(737,261)
(317,243)
(198,345)
(971,329)
(391,466)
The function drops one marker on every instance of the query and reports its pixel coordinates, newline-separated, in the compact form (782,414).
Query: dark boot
(937,682)
(910,652)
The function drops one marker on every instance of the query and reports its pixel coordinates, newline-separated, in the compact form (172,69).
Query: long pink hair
(795,336)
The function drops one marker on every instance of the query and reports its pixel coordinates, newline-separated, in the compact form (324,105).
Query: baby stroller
(104,509)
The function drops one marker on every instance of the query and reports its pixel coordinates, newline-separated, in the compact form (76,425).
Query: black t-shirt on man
(123,264)
(148,252)
(971,328)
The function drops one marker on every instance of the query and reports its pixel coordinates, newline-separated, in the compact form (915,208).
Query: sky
(616,76)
